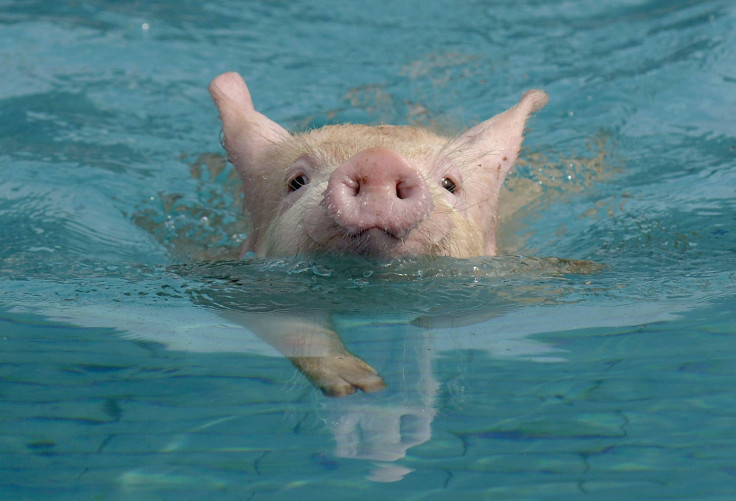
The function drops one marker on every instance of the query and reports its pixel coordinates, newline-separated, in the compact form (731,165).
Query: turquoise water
(128,370)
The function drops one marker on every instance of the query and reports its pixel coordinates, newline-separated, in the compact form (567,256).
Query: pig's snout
(378,189)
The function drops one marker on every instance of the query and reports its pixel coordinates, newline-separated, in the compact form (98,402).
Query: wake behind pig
(383,191)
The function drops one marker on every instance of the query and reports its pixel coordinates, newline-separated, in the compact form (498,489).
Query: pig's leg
(339,375)
(315,349)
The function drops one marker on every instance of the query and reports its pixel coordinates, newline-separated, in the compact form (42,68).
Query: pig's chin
(373,242)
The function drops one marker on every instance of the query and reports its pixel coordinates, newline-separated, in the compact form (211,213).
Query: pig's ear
(498,139)
(248,134)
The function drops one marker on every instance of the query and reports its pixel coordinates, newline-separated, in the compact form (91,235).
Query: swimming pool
(126,374)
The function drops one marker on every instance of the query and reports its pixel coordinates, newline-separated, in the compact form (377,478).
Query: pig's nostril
(405,189)
(353,187)
(402,189)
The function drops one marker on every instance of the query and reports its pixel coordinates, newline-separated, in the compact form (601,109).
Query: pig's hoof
(340,375)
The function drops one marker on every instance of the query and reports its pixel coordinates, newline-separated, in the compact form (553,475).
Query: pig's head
(384,191)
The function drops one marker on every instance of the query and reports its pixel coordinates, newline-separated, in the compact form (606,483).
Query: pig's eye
(297,182)
(449,184)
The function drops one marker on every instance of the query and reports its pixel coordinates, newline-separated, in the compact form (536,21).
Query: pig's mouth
(374,241)
(378,239)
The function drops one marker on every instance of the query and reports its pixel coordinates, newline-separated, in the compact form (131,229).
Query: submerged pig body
(383,191)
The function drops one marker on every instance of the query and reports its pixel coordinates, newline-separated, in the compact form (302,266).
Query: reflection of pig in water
(383,191)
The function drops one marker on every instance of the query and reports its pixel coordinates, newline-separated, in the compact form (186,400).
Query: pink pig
(383,191)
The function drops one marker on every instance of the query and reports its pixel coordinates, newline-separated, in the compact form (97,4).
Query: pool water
(595,359)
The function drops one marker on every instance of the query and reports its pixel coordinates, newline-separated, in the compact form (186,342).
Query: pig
(384,191)
(381,191)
